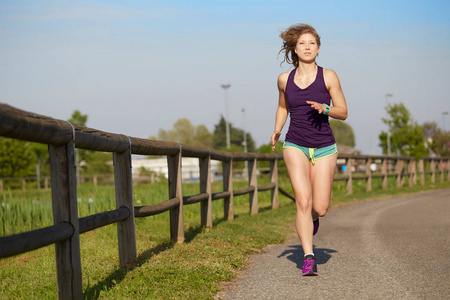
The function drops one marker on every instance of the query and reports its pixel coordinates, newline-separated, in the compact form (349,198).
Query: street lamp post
(444,113)
(245,145)
(245,133)
(225,88)
(388,132)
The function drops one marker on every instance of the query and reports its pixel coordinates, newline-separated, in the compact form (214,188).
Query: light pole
(245,133)
(225,88)
(444,113)
(388,132)
(245,146)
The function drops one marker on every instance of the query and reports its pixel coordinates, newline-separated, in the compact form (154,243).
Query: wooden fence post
(253,181)
(412,172)
(384,172)
(441,169)
(1,185)
(64,206)
(126,233)
(176,191)
(349,175)
(205,187)
(228,202)
(422,171)
(369,176)
(433,170)
(448,169)
(24,185)
(274,179)
(399,171)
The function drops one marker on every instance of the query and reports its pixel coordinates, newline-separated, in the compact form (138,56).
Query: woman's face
(307,48)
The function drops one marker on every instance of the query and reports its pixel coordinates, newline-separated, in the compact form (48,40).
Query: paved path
(391,249)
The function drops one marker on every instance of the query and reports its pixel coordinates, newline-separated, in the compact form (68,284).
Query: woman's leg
(299,168)
(322,175)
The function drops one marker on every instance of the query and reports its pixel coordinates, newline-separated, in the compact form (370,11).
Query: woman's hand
(321,108)
(274,139)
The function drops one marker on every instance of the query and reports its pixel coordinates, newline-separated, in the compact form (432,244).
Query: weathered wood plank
(244,191)
(27,126)
(268,187)
(253,182)
(369,175)
(348,171)
(64,205)
(103,219)
(35,239)
(188,200)
(176,191)
(156,209)
(220,195)
(150,147)
(205,187)
(274,181)
(384,171)
(124,198)
(97,140)
(228,203)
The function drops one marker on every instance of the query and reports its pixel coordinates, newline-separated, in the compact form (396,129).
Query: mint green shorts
(313,153)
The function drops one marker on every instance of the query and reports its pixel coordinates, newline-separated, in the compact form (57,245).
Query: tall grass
(22,211)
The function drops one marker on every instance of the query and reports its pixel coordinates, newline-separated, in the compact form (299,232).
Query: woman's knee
(321,212)
(304,204)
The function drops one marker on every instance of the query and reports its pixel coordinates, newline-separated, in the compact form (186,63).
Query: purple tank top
(307,127)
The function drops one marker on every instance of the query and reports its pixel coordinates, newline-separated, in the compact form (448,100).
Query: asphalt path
(396,248)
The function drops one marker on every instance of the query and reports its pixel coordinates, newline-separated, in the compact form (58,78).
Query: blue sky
(135,67)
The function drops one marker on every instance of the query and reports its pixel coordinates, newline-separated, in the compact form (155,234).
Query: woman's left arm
(339,108)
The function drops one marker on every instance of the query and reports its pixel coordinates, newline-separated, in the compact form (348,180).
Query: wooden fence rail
(62,138)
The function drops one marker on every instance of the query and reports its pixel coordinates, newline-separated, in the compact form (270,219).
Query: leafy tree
(42,158)
(407,137)
(78,118)
(343,133)
(18,158)
(90,162)
(236,137)
(436,140)
(99,163)
(185,132)
(267,148)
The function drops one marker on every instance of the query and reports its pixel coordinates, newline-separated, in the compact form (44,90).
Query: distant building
(190,167)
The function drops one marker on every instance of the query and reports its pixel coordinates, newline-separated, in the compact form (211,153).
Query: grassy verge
(165,270)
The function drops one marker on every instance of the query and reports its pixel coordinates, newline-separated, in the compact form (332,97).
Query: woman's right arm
(282,110)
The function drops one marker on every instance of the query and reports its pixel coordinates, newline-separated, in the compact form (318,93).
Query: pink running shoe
(316,226)
(309,266)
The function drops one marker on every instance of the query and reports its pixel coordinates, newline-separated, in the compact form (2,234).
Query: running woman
(309,150)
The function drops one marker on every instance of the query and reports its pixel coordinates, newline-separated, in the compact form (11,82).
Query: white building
(190,167)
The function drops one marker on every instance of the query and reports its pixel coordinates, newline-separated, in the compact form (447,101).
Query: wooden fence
(62,138)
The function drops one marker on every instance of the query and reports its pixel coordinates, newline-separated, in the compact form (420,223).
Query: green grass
(193,269)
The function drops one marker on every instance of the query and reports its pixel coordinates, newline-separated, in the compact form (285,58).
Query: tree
(437,141)
(343,133)
(267,148)
(185,132)
(407,138)
(81,156)
(236,137)
(78,118)
(18,158)
(99,163)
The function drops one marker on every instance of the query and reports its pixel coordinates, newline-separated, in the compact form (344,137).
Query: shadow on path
(295,254)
